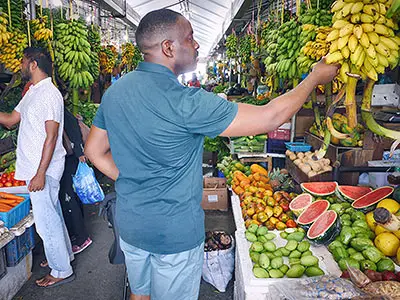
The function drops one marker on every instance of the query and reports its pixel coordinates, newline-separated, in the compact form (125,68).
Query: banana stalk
(394,8)
(317,114)
(350,101)
(328,94)
(368,118)
(75,101)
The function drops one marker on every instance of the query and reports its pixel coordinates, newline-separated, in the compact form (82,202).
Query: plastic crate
(281,133)
(298,147)
(13,216)
(20,247)
(276,146)
(3,267)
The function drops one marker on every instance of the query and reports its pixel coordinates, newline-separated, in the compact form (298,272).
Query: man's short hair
(42,58)
(155,23)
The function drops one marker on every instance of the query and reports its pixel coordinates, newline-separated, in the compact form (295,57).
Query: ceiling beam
(144,3)
(219,4)
(204,24)
(207,10)
(204,18)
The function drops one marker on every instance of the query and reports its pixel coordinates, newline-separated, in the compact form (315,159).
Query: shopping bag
(86,186)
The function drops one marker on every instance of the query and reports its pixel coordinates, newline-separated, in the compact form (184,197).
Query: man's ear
(33,65)
(168,48)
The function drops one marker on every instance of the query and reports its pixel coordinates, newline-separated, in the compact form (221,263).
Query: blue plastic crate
(20,247)
(298,146)
(13,216)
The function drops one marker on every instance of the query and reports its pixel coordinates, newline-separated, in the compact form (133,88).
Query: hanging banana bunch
(95,42)
(40,32)
(128,51)
(4,34)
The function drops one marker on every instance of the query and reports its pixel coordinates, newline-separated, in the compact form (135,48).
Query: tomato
(4,175)
(8,184)
(1,185)
(3,180)
(291,224)
(12,174)
(9,178)
(285,206)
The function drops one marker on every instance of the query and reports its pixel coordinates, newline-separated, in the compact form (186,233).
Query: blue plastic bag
(86,186)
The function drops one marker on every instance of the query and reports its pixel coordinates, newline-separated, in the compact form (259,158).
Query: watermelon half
(320,189)
(312,212)
(325,229)
(351,193)
(300,203)
(367,202)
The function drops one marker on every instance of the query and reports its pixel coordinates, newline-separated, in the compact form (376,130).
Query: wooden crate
(299,176)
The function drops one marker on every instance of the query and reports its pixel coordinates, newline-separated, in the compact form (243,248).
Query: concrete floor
(96,278)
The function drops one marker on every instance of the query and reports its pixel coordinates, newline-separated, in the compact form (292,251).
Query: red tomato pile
(7,180)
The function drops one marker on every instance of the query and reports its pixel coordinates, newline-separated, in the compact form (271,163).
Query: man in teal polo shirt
(148,136)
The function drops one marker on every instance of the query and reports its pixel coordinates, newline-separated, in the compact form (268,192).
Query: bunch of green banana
(307,35)
(17,8)
(245,48)
(231,45)
(271,50)
(288,50)
(73,53)
(11,52)
(4,34)
(363,38)
(319,17)
(315,4)
(95,42)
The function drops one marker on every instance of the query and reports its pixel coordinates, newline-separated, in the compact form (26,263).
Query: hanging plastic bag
(86,186)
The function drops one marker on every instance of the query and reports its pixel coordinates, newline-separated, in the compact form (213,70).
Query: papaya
(255,168)
(238,190)
(239,176)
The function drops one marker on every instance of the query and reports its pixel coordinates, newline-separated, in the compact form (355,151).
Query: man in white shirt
(40,160)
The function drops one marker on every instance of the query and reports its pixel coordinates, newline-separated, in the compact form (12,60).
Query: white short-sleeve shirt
(42,102)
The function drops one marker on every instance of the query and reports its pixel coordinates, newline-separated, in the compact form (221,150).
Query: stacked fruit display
(269,260)
(74,54)
(363,39)
(245,48)
(271,50)
(288,50)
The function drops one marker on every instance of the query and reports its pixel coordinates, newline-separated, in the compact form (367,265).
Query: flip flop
(61,282)
(44,263)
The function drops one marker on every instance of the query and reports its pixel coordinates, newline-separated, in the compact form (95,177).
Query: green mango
(269,246)
(314,271)
(276,273)
(307,253)
(360,244)
(255,256)
(295,254)
(251,237)
(260,273)
(264,260)
(262,230)
(385,264)
(284,269)
(291,245)
(257,247)
(262,239)
(367,265)
(309,261)
(303,246)
(270,236)
(295,271)
(296,236)
(277,262)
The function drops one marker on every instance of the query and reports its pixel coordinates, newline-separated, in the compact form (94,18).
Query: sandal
(50,281)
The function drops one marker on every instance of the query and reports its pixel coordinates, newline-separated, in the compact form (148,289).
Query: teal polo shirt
(156,129)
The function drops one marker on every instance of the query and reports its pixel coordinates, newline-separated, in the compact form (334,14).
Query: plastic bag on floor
(218,266)
(86,186)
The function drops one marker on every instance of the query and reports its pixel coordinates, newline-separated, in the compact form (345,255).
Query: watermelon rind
(343,192)
(298,211)
(305,212)
(368,202)
(311,187)
(331,232)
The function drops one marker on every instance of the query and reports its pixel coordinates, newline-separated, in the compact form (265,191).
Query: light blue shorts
(163,277)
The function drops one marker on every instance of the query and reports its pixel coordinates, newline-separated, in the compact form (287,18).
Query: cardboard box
(214,182)
(215,194)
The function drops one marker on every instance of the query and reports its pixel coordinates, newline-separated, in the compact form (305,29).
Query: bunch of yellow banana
(11,52)
(363,38)
(73,53)
(4,34)
(128,50)
(108,58)
(41,33)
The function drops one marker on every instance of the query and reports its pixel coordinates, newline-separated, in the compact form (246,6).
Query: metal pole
(32,9)
(293,128)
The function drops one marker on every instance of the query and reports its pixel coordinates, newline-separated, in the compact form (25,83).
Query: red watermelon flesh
(322,224)
(352,193)
(319,188)
(300,203)
(373,197)
(313,211)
